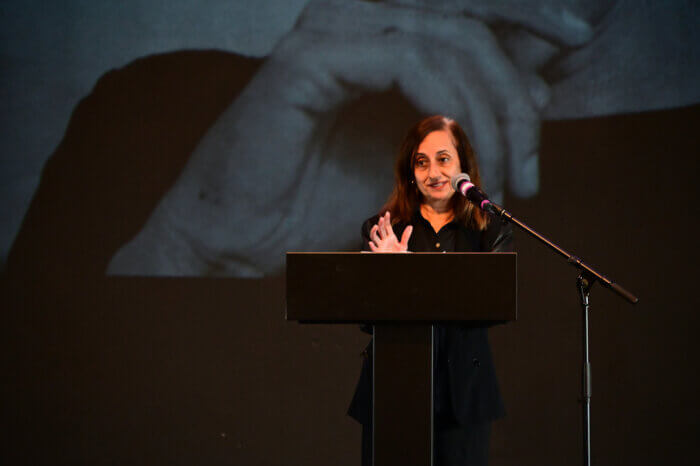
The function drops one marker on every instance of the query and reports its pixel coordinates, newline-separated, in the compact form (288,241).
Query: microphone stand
(586,278)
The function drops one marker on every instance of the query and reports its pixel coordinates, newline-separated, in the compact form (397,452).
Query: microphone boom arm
(589,272)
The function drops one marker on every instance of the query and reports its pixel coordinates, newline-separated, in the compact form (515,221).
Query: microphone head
(457,179)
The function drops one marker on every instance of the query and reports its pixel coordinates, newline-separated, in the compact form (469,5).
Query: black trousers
(454,445)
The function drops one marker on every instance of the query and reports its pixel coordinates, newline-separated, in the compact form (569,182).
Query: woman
(424,212)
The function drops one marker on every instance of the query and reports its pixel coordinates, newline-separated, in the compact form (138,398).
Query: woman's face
(435,163)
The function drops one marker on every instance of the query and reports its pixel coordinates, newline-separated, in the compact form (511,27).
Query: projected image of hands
(276,173)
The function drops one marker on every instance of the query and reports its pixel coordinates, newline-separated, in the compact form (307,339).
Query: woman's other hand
(244,197)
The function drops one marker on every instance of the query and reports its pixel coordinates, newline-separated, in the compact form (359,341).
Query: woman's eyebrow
(441,151)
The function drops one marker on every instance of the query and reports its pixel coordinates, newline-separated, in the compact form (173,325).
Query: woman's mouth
(437,185)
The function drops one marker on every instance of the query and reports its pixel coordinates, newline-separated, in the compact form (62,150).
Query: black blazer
(470,391)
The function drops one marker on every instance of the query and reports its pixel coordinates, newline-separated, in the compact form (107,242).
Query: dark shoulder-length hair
(406,198)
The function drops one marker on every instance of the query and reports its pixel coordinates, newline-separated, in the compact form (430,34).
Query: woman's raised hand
(383,239)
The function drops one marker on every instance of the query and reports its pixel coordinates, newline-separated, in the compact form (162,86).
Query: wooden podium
(402,296)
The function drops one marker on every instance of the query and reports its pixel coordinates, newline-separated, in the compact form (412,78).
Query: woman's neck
(438,217)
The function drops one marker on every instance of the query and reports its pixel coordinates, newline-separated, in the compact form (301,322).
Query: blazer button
(476,362)
(437,245)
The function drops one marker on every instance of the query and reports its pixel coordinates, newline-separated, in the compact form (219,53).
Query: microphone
(463,184)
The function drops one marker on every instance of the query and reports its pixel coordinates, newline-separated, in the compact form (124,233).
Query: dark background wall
(180,371)
(144,370)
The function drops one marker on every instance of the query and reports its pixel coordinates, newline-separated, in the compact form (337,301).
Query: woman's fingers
(564,23)
(388,230)
(478,83)
(374,234)
(383,238)
(380,228)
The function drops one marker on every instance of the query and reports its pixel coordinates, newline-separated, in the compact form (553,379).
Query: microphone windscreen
(457,179)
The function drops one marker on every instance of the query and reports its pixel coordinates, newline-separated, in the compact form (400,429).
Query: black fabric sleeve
(498,237)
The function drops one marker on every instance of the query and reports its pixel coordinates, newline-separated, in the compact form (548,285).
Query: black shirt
(425,239)
(452,237)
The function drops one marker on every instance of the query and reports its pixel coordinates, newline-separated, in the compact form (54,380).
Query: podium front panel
(420,287)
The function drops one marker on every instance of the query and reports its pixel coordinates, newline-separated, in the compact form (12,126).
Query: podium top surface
(349,287)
